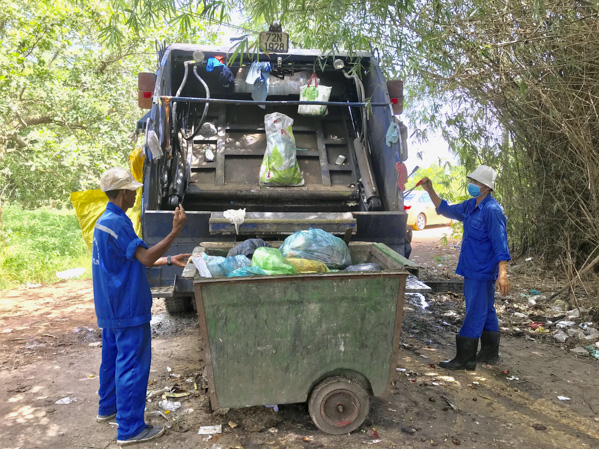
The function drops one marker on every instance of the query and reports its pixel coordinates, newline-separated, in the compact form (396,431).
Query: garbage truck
(204,141)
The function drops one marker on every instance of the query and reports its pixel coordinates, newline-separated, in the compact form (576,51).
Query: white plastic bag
(279,166)
(313,92)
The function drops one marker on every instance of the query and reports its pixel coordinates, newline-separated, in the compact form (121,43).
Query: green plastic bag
(313,92)
(271,261)
(279,166)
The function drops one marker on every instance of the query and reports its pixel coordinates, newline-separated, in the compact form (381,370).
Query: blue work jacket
(484,243)
(122,293)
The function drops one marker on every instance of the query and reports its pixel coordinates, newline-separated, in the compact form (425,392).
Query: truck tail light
(146,82)
(407,207)
(395,89)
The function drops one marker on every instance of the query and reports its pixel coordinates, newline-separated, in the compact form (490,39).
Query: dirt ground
(50,351)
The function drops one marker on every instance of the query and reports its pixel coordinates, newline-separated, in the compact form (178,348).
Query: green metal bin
(331,339)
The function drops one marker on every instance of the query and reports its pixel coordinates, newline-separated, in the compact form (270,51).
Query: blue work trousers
(124,373)
(480,308)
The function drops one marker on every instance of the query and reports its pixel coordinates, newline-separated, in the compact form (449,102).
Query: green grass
(37,244)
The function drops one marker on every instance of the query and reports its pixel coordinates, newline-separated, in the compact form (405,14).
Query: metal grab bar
(278,102)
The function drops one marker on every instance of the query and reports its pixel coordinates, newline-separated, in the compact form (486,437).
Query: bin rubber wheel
(178,305)
(338,405)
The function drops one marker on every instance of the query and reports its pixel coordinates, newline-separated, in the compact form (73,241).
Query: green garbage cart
(329,339)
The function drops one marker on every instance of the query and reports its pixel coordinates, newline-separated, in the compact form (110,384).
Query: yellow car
(421,211)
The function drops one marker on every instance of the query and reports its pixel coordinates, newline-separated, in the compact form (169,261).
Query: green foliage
(38,244)
(449,181)
(69,101)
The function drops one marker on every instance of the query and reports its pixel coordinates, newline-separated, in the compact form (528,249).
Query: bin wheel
(338,405)
(178,305)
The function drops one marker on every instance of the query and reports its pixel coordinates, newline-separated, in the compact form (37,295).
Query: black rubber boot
(489,348)
(465,354)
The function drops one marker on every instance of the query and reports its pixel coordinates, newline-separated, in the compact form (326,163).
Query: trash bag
(247,248)
(247,271)
(279,166)
(308,266)
(272,261)
(214,264)
(364,267)
(313,92)
(316,244)
(222,266)
(89,205)
(233,263)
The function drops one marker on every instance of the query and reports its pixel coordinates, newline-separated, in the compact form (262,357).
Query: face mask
(473,190)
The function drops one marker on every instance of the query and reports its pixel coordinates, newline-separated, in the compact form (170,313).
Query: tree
(69,99)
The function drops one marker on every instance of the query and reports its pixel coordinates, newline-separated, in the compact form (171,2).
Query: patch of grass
(38,243)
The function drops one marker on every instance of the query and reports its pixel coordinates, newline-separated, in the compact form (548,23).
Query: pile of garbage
(535,316)
(309,251)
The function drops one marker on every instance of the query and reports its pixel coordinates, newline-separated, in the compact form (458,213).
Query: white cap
(118,179)
(485,175)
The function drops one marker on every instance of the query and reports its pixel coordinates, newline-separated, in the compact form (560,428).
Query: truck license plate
(274,42)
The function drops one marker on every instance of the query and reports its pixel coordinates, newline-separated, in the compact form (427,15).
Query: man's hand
(179,219)
(503,285)
(427,184)
(180,260)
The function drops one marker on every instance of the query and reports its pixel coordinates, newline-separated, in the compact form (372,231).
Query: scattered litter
(593,351)
(401,370)
(65,401)
(275,407)
(455,409)
(158,413)
(236,217)
(29,285)
(7,331)
(528,259)
(574,313)
(563,324)
(73,273)
(535,292)
(579,351)
(560,337)
(210,430)
(409,430)
(232,424)
(563,398)
(578,333)
(538,426)
(96,344)
(273,430)
(177,395)
(512,378)
(535,325)
(169,405)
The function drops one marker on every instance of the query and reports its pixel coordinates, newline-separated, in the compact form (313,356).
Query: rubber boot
(489,348)
(465,354)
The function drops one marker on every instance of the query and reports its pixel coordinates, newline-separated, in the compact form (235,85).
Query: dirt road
(50,352)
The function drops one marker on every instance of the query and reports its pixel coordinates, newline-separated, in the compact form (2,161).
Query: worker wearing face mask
(483,263)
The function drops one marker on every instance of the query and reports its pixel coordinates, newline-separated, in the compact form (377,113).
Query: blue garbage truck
(204,141)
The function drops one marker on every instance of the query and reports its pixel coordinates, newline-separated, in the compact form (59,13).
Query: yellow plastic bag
(90,204)
(308,266)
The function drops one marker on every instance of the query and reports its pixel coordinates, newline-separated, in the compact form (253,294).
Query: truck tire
(338,405)
(178,305)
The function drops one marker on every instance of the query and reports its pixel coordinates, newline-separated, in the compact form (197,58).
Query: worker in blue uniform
(483,263)
(123,303)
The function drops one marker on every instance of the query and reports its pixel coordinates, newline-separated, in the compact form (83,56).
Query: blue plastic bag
(222,266)
(316,244)
(213,263)
(233,263)
(247,271)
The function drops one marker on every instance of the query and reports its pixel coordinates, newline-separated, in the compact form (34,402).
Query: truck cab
(205,141)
